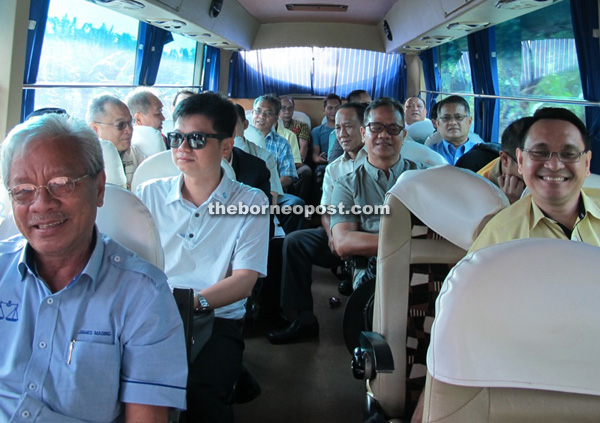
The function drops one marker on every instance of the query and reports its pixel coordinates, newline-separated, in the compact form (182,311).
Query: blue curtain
(484,72)
(38,13)
(151,41)
(584,14)
(431,72)
(211,66)
(316,71)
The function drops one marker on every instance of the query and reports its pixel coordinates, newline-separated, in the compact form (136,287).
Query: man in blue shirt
(453,123)
(90,332)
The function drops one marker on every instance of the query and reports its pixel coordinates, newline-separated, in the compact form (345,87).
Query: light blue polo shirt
(450,152)
(113,335)
(201,248)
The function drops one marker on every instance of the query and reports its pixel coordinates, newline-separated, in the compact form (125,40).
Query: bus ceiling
(391,26)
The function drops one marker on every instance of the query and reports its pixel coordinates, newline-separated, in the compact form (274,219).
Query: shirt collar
(220,194)
(588,207)
(91,269)
(377,173)
(362,152)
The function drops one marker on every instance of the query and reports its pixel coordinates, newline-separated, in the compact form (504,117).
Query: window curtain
(211,67)
(38,16)
(431,72)
(151,41)
(484,73)
(316,71)
(584,14)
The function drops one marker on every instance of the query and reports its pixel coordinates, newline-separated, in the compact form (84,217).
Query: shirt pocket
(90,378)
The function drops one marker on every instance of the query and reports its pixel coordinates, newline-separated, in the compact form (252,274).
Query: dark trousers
(302,249)
(213,374)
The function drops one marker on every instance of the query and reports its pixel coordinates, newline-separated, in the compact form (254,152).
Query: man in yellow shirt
(554,160)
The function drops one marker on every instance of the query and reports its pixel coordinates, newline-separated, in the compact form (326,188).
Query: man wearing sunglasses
(84,321)
(554,160)
(111,120)
(504,170)
(383,135)
(219,256)
(453,124)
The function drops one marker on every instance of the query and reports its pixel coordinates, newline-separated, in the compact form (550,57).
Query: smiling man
(554,161)
(383,135)
(219,256)
(84,321)
(414,110)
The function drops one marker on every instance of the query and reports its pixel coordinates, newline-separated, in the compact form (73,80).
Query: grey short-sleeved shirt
(366,186)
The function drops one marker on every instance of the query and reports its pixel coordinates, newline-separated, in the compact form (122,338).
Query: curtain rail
(43,86)
(529,99)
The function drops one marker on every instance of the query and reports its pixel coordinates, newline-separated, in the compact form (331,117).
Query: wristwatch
(202,304)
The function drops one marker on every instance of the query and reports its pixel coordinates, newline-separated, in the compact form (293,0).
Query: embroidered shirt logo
(9,311)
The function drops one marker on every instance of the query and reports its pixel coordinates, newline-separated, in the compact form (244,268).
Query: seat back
(148,140)
(126,219)
(521,345)
(419,153)
(435,215)
(302,117)
(157,166)
(252,134)
(419,131)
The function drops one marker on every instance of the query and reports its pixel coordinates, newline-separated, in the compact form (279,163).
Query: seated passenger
(320,134)
(335,149)
(554,160)
(383,135)
(180,96)
(218,255)
(414,110)
(148,119)
(453,124)
(300,129)
(264,115)
(84,321)
(111,120)
(302,249)
(249,147)
(504,171)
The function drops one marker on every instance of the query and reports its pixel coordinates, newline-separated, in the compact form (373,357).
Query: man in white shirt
(148,118)
(111,120)
(217,254)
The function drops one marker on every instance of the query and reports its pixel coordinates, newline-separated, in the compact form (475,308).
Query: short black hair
(384,102)
(184,91)
(240,112)
(354,96)
(359,108)
(511,136)
(331,97)
(433,113)
(455,99)
(218,109)
(557,113)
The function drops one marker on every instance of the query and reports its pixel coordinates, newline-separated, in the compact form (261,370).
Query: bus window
(84,44)
(537,58)
(455,69)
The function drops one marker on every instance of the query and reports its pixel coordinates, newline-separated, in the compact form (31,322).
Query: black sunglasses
(196,140)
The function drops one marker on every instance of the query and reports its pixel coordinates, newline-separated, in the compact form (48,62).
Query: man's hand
(512,186)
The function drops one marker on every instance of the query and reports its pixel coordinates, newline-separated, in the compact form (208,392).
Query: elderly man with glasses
(111,120)
(89,330)
(554,160)
(453,124)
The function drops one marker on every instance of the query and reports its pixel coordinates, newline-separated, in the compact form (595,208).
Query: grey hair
(96,107)
(138,100)
(272,99)
(50,126)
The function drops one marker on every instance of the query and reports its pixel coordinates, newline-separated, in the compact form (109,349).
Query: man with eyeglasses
(383,135)
(84,321)
(111,120)
(554,160)
(504,171)
(265,113)
(217,254)
(302,249)
(453,124)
